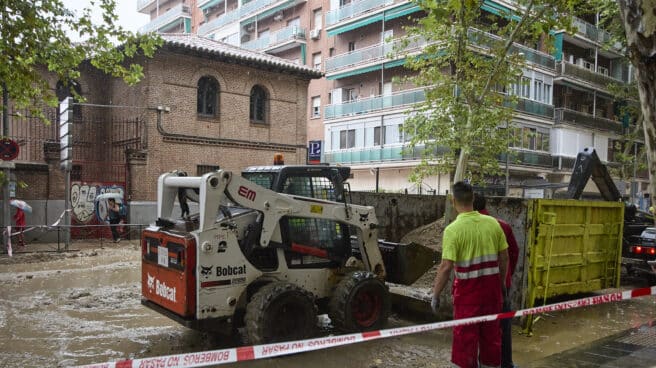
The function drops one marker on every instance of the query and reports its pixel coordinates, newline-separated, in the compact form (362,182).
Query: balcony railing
(286,34)
(354,9)
(486,40)
(590,31)
(577,118)
(142,4)
(372,104)
(534,108)
(528,158)
(369,54)
(566,69)
(234,15)
(377,154)
(178,11)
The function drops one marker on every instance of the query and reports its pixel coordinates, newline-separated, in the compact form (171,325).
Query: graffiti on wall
(83,201)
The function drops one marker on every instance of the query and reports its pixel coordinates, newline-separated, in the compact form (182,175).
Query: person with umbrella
(19,219)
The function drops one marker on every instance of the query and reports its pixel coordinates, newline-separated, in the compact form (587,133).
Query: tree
(34,40)
(472,61)
(639,20)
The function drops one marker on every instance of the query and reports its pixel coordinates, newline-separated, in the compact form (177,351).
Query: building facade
(202,105)
(355,110)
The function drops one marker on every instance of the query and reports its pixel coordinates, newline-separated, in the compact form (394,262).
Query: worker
(19,219)
(114,217)
(513,254)
(476,247)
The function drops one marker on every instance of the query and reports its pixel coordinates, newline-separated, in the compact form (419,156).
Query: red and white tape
(223,356)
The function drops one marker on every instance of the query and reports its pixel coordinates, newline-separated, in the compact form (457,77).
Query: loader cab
(309,243)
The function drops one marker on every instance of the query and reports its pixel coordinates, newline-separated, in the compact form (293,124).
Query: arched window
(208,96)
(258,108)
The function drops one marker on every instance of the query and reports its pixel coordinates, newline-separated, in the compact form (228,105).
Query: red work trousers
(481,341)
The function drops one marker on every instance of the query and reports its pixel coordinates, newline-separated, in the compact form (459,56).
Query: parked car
(639,255)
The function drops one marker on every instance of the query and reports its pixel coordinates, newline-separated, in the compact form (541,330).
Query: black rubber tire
(280,311)
(361,302)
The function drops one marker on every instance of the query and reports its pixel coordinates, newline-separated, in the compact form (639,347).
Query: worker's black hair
(463,193)
(479,201)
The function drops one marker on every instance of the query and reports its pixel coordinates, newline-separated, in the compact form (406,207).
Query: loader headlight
(206,246)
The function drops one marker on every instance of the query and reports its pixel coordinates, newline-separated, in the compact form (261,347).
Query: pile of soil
(429,235)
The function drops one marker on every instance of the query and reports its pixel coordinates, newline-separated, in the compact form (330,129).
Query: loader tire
(280,311)
(361,302)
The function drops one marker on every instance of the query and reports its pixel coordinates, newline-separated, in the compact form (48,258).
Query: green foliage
(34,39)
(467,69)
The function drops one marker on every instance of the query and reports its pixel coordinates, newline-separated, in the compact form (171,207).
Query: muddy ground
(80,307)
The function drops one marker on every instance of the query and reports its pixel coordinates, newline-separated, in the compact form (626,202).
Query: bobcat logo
(205,271)
(151,282)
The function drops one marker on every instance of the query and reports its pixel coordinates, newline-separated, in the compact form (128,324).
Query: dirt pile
(429,235)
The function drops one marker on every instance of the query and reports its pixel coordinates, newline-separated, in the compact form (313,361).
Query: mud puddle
(85,308)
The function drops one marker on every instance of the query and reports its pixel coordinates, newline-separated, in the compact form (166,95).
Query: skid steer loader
(269,260)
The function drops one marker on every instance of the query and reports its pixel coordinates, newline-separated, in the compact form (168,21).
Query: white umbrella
(108,196)
(21,204)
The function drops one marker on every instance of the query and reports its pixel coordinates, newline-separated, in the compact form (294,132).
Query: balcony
(203,4)
(373,104)
(377,154)
(370,55)
(592,33)
(248,9)
(354,9)
(534,108)
(143,6)
(588,76)
(175,15)
(528,158)
(582,119)
(487,40)
(280,40)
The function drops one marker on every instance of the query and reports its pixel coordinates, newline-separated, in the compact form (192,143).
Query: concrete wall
(398,214)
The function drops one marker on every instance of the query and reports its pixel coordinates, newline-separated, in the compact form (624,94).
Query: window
(347,139)
(530,139)
(207,101)
(316,61)
(526,87)
(537,90)
(258,105)
(379,135)
(331,51)
(264,33)
(350,94)
(351,46)
(294,22)
(204,169)
(318,23)
(316,107)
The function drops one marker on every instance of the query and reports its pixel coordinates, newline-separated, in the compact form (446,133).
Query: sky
(128,17)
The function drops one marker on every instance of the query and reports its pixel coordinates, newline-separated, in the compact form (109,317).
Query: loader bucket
(406,263)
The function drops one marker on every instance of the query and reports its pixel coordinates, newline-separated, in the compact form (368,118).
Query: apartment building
(355,112)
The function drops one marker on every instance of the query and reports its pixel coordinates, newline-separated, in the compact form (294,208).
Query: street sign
(9,149)
(314,152)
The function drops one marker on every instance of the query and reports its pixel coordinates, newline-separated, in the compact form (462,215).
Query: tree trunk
(639,20)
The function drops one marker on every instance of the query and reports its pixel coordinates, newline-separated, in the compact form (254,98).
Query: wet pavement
(632,348)
(62,309)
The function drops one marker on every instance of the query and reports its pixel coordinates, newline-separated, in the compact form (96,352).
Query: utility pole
(66,160)
(5,193)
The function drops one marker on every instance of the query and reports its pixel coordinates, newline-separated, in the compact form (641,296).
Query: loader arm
(216,187)
(589,165)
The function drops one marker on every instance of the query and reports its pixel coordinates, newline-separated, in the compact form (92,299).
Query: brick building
(202,104)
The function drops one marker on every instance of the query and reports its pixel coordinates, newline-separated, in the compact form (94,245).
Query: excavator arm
(589,165)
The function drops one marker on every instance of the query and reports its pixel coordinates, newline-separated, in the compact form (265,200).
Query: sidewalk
(635,348)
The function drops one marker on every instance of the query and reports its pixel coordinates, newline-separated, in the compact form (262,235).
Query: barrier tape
(245,353)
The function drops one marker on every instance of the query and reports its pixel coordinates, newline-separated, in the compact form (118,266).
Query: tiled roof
(223,50)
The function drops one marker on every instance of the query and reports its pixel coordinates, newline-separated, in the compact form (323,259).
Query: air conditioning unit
(278,17)
(315,33)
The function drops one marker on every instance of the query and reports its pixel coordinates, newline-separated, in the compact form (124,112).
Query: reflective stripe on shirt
(477,273)
(476,260)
